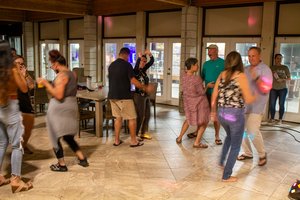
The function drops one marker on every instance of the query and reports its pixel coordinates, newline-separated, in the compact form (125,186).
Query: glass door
(75,54)
(111,51)
(166,69)
(290,50)
(226,45)
(45,70)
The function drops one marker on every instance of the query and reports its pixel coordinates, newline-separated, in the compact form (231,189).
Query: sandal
(262,161)
(200,145)
(146,136)
(58,168)
(137,144)
(3,180)
(178,141)
(244,157)
(218,142)
(21,187)
(120,142)
(192,135)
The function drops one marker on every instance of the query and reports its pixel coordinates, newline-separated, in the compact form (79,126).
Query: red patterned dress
(196,106)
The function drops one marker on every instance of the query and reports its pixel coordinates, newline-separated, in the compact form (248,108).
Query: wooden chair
(107,115)
(84,116)
(152,97)
(40,98)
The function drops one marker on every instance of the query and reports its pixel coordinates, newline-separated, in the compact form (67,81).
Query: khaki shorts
(123,108)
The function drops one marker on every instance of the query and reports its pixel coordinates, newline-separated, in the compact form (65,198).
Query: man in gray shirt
(260,79)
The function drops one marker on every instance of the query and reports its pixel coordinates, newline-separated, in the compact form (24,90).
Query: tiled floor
(160,169)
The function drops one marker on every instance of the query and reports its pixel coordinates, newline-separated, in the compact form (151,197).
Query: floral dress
(196,106)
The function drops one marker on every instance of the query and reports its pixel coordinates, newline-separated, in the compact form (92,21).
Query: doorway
(166,68)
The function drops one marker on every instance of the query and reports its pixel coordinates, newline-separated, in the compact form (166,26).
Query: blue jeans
(233,121)
(274,94)
(11,131)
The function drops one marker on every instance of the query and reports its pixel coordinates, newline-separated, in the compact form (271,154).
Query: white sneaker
(279,122)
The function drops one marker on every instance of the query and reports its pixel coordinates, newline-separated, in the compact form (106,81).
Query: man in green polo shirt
(210,72)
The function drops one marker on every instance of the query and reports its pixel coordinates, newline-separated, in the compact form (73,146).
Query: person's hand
(211,84)
(23,71)
(148,52)
(140,54)
(41,81)
(149,88)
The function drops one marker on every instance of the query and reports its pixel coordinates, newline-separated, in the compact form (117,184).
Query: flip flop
(244,157)
(120,142)
(178,141)
(201,145)
(218,142)
(137,144)
(262,161)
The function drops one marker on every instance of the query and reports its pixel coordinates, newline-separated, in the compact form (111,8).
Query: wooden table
(98,96)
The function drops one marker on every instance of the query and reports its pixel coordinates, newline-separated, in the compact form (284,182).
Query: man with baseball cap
(210,71)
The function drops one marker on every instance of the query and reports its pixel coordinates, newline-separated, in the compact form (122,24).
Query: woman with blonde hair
(230,94)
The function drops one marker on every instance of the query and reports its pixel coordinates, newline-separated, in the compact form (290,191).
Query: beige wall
(289,19)
(120,26)
(165,24)
(49,30)
(76,28)
(234,21)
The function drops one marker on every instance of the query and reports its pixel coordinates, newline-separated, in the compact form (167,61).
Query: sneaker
(58,168)
(279,122)
(83,163)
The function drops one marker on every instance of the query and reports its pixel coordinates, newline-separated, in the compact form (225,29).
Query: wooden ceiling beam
(73,7)
(176,2)
(109,7)
(41,16)
(205,3)
(12,15)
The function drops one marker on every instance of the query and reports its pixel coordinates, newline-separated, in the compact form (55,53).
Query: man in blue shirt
(260,80)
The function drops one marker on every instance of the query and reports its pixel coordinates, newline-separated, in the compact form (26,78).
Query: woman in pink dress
(196,106)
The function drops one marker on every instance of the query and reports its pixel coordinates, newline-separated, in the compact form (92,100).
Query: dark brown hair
(55,56)
(233,63)
(189,62)
(5,70)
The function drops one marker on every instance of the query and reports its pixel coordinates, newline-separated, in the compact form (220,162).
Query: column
(189,40)
(29,45)
(90,46)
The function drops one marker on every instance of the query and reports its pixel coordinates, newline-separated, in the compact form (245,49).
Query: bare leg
(28,122)
(200,132)
(118,125)
(132,130)
(217,130)
(184,128)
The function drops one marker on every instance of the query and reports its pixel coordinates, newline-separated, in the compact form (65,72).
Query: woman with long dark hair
(230,94)
(11,128)
(62,114)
